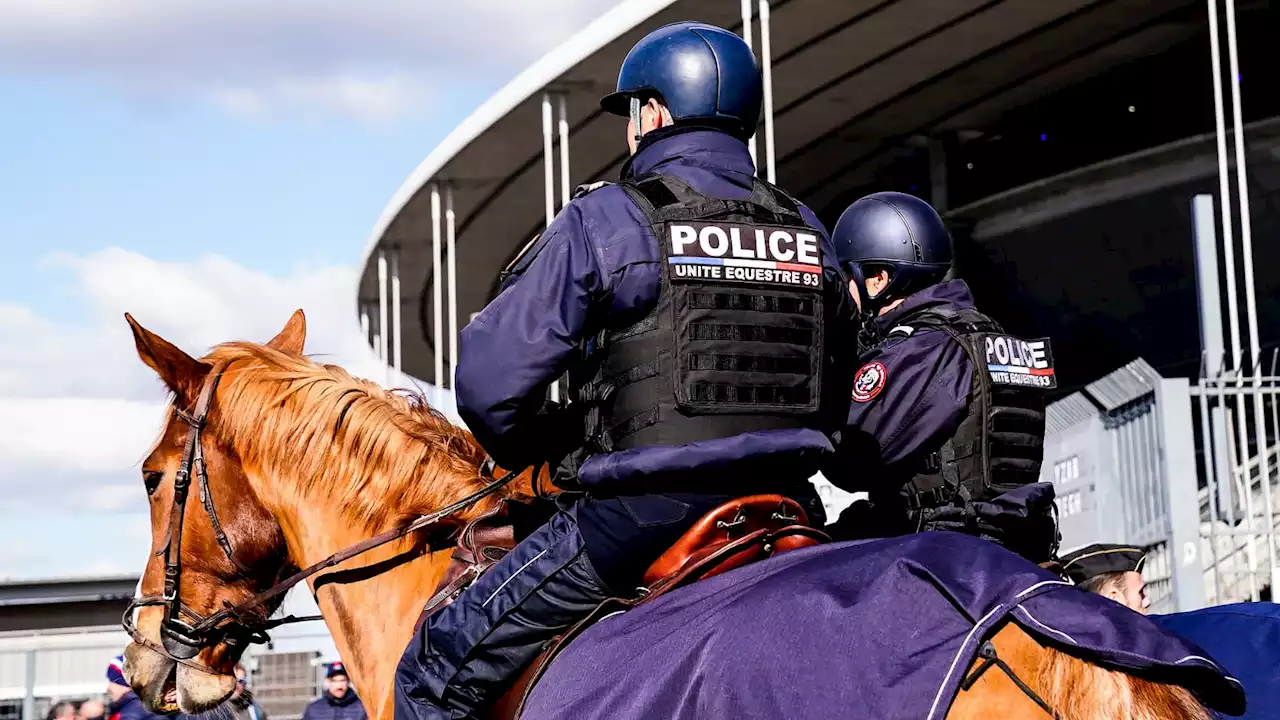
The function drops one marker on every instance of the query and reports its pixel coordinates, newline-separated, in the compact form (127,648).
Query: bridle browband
(185,632)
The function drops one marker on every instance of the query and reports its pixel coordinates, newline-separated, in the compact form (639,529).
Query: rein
(182,640)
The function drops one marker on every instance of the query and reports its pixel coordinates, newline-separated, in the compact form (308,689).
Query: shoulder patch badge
(869,382)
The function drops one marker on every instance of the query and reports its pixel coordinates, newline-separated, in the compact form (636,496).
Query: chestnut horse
(302,460)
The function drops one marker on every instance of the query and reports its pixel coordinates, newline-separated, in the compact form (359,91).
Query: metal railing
(40,668)
(1239,416)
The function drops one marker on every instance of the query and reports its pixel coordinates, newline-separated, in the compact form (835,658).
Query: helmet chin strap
(635,116)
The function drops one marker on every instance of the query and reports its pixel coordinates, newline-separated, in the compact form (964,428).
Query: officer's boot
(466,655)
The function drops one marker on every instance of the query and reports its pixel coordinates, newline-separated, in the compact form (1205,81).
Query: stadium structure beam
(396,335)
(1229,257)
(450,240)
(549,176)
(1251,300)
(565,195)
(364,321)
(746,36)
(548,157)
(1212,421)
(766,68)
(382,311)
(437,331)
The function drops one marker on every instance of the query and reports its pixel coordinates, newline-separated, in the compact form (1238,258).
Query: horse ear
(180,372)
(292,337)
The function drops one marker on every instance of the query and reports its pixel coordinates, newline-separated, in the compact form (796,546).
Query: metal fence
(1174,466)
(1238,417)
(1120,453)
(38,669)
(284,683)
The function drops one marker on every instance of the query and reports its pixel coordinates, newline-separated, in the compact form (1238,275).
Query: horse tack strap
(183,640)
(177,637)
(481,544)
(359,548)
(989,657)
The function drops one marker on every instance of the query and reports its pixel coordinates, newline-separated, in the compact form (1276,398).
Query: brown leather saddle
(737,533)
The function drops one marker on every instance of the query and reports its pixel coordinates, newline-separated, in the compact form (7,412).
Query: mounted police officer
(706,330)
(946,427)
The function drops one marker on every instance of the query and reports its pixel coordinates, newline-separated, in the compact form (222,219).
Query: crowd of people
(338,701)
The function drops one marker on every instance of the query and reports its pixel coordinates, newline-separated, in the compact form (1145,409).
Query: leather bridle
(185,632)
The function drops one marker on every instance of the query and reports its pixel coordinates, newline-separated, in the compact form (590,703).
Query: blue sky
(87,168)
(208,167)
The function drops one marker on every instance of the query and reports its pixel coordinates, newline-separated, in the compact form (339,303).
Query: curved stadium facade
(1064,141)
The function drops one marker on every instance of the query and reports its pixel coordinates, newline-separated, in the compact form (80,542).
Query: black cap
(336,669)
(1094,560)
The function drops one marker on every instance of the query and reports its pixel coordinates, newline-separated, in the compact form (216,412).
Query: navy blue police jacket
(130,707)
(597,261)
(328,707)
(922,392)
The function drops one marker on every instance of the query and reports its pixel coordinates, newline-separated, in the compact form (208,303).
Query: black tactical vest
(1000,442)
(734,343)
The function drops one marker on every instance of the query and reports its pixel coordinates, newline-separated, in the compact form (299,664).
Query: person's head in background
(242,681)
(1112,571)
(61,710)
(91,710)
(336,682)
(117,686)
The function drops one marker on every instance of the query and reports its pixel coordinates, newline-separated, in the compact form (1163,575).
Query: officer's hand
(563,428)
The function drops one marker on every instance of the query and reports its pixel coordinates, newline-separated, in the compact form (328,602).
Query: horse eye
(152,480)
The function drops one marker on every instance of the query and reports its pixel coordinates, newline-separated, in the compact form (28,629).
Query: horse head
(214,543)
(267,463)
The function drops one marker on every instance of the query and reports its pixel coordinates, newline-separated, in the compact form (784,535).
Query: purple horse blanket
(880,629)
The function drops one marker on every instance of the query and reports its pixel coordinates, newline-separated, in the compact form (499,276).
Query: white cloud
(79,410)
(370,59)
(368,100)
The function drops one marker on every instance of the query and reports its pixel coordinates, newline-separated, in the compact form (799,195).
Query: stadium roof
(67,590)
(855,81)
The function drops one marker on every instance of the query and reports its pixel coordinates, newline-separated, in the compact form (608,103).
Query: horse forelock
(315,431)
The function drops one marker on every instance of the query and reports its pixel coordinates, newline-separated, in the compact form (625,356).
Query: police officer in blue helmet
(706,330)
(946,427)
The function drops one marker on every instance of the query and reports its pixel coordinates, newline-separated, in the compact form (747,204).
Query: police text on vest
(744,253)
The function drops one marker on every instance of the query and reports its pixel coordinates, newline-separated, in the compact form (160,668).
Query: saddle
(737,533)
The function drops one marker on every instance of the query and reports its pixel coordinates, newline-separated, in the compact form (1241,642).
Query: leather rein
(185,632)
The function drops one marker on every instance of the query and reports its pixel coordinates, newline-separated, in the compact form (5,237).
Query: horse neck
(371,619)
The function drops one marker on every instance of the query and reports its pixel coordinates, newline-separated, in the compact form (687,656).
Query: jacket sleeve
(524,341)
(925,395)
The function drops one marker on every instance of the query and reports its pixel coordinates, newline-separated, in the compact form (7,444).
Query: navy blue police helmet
(699,71)
(897,232)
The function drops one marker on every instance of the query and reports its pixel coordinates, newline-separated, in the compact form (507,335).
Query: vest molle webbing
(999,444)
(734,343)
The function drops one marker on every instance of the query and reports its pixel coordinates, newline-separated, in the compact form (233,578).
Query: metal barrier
(284,683)
(39,668)
(1173,466)
(1121,455)
(1238,415)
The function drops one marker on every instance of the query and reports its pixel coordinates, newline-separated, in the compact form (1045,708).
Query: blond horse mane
(383,456)
(1074,688)
(1078,690)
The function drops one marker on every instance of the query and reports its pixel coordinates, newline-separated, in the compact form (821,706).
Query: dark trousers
(466,655)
